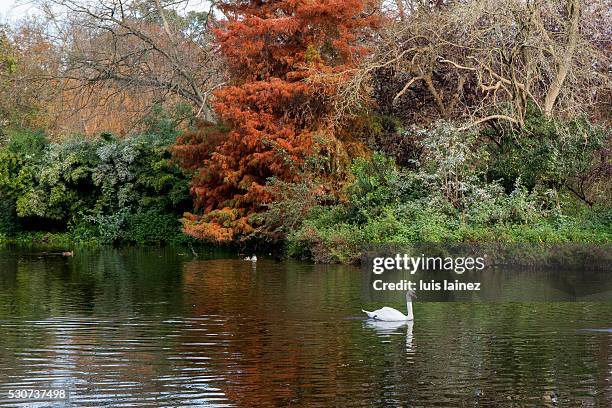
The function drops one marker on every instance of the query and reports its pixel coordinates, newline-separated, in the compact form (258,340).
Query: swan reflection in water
(386,329)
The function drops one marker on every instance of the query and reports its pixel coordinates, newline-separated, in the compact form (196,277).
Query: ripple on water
(127,329)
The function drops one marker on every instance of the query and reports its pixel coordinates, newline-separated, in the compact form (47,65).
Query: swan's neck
(410,315)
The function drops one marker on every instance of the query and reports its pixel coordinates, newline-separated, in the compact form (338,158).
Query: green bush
(548,153)
(447,197)
(292,202)
(18,168)
(27,142)
(104,190)
(9,224)
(151,227)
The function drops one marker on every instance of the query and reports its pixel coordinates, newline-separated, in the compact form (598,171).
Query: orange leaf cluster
(271,109)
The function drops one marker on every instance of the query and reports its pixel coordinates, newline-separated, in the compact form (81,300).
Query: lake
(161,328)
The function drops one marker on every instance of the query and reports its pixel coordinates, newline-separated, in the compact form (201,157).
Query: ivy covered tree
(284,58)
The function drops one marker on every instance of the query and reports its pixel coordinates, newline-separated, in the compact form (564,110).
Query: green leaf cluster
(107,190)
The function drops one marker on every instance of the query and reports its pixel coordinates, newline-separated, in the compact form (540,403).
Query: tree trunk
(565,62)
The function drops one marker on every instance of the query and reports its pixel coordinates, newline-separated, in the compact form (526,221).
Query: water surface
(160,328)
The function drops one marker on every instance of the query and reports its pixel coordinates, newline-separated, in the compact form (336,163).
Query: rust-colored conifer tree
(273,107)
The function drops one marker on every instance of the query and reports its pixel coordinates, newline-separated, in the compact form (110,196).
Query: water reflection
(386,329)
(155,328)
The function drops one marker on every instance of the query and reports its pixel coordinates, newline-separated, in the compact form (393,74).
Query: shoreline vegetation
(129,192)
(445,124)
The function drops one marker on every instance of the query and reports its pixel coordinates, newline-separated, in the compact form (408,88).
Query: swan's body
(251,258)
(384,327)
(389,314)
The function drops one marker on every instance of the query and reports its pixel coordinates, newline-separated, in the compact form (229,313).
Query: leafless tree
(489,60)
(150,47)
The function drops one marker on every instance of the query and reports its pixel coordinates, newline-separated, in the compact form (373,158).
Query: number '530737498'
(37,394)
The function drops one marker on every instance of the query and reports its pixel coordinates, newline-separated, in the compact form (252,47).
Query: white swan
(389,314)
(251,258)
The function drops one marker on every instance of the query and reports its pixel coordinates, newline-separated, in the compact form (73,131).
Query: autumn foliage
(276,108)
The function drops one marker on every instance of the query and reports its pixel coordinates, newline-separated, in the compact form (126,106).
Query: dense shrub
(553,154)
(151,226)
(448,197)
(18,158)
(9,223)
(105,190)
(290,205)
